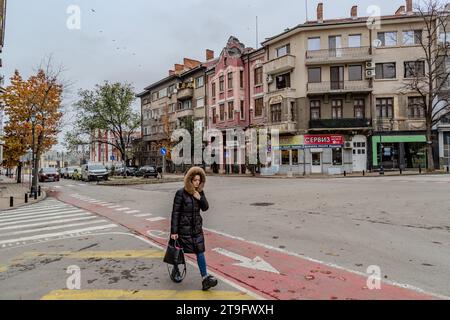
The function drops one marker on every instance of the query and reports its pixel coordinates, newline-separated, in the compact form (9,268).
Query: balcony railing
(279,65)
(340,123)
(340,54)
(339,86)
(185,93)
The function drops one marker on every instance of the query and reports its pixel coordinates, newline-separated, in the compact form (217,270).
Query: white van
(94,172)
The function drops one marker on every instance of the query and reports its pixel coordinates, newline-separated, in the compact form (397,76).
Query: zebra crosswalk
(47,220)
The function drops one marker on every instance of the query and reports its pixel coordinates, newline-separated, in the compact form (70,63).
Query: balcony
(351,123)
(279,65)
(283,127)
(185,93)
(341,55)
(339,87)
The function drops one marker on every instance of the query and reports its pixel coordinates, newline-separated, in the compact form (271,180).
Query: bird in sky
(92,10)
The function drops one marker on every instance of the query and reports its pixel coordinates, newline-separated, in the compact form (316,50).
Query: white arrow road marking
(255,264)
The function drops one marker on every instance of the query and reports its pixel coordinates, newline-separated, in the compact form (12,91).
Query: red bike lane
(269,273)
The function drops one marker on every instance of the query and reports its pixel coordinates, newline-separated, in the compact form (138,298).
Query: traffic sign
(163,151)
(113,158)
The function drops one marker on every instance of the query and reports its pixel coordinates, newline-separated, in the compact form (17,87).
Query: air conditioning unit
(370,73)
(370,65)
(269,79)
(348,145)
(175,91)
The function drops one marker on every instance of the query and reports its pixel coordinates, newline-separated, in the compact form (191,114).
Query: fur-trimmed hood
(188,186)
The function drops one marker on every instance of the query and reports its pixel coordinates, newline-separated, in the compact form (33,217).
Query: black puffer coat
(186,219)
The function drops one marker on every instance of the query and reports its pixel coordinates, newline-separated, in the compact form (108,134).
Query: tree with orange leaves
(38,98)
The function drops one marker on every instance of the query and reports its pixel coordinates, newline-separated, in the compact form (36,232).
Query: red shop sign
(324,140)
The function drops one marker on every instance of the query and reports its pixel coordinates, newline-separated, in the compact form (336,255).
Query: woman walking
(187,223)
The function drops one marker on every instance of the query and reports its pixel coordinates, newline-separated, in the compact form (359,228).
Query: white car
(94,172)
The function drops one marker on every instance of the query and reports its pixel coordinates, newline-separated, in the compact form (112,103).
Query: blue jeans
(201,260)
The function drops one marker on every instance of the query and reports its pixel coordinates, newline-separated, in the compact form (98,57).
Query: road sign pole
(164,166)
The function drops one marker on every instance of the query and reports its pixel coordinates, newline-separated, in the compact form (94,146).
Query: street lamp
(33,162)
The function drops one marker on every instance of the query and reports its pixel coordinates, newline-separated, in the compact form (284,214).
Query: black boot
(209,282)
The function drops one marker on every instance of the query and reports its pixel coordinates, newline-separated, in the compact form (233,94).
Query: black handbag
(175,257)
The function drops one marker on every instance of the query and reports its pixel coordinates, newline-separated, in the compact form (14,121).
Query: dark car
(147,171)
(48,174)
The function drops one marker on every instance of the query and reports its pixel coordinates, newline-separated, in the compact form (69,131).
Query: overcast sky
(138,41)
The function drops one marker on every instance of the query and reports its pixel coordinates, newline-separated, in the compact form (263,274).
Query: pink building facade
(235,95)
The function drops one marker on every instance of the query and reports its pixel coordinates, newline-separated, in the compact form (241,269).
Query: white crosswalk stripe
(132,211)
(48,220)
(143,215)
(156,219)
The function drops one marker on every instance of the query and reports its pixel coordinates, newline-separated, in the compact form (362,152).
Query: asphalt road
(400,224)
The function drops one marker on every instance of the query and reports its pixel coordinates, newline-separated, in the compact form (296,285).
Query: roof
(333,22)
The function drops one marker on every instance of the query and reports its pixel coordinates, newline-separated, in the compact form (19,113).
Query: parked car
(147,171)
(131,171)
(48,174)
(94,172)
(119,169)
(68,172)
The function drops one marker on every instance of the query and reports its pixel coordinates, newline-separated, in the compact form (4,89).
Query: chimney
(354,12)
(409,6)
(179,68)
(171,72)
(320,12)
(209,54)
(400,11)
(190,64)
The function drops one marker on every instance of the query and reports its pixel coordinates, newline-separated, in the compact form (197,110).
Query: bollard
(11,202)
(401,171)
(448,169)
(345,173)
(39,191)
(26,197)
(35,195)
(420,169)
(364,173)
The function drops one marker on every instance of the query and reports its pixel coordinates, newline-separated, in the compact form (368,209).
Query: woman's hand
(197,196)
(174,237)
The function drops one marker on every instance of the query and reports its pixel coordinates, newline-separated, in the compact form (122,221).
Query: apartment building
(177,101)
(336,90)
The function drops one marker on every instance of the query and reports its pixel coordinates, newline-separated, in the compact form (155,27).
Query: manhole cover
(262,204)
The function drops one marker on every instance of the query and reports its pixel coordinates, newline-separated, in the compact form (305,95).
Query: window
(221,84)
(200,102)
(295,157)
(386,70)
(314,43)
(412,37)
(314,75)
(284,50)
(258,76)
(385,108)
(154,96)
(242,110)
(162,93)
(275,113)
(230,81)
(284,81)
(336,109)
(293,113)
(172,108)
(230,110)
(259,105)
(145,131)
(355,73)
(213,90)
(171,89)
(241,79)
(416,109)
(214,115)
(337,156)
(414,69)
(354,41)
(315,109)
(444,37)
(222,112)
(187,105)
(388,38)
(359,108)
(199,82)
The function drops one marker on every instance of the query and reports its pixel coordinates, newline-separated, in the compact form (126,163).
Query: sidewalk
(9,188)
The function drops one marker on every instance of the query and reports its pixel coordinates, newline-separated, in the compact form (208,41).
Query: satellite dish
(377,43)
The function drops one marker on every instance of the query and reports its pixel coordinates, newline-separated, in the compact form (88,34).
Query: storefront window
(285,158)
(447,145)
(337,157)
